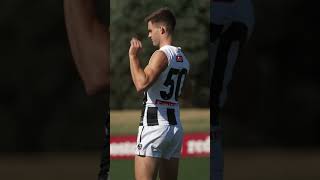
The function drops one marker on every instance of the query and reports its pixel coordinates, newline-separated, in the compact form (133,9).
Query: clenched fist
(134,47)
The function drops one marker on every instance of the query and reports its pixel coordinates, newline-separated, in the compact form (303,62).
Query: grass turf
(189,169)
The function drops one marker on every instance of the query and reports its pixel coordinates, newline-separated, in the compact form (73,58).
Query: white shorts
(160,141)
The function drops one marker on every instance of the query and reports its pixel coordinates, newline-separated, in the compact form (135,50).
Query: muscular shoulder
(158,61)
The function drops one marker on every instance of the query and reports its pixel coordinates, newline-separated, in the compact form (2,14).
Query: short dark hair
(165,16)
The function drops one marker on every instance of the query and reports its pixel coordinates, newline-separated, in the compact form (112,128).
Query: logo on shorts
(139,146)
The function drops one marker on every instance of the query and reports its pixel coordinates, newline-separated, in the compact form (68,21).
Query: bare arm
(143,78)
(89,42)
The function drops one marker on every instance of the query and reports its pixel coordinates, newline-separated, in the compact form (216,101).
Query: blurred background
(271,118)
(274,97)
(50,129)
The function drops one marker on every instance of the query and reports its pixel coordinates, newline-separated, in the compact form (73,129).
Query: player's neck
(165,41)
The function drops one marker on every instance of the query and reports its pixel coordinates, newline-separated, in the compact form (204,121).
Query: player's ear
(162,29)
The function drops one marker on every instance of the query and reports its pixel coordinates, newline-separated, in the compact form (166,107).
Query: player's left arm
(89,42)
(143,78)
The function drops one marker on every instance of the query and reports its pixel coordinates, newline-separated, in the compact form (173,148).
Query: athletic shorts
(163,141)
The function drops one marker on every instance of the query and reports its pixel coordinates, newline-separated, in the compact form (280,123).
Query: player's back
(164,93)
(169,83)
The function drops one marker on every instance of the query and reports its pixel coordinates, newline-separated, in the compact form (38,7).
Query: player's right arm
(143,78)
(89,42)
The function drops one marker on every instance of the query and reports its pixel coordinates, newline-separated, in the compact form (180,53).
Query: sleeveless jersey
(161,101)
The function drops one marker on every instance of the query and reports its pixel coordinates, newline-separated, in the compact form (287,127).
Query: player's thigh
(169,169)
(146,168)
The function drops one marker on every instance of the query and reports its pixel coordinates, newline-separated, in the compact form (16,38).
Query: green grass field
(190,168)
(240,164)
(193,120)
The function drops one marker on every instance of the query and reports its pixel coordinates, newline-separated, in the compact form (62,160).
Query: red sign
(194,145)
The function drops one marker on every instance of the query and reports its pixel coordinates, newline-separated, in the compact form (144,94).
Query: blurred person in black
(89,42)
(231,24)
